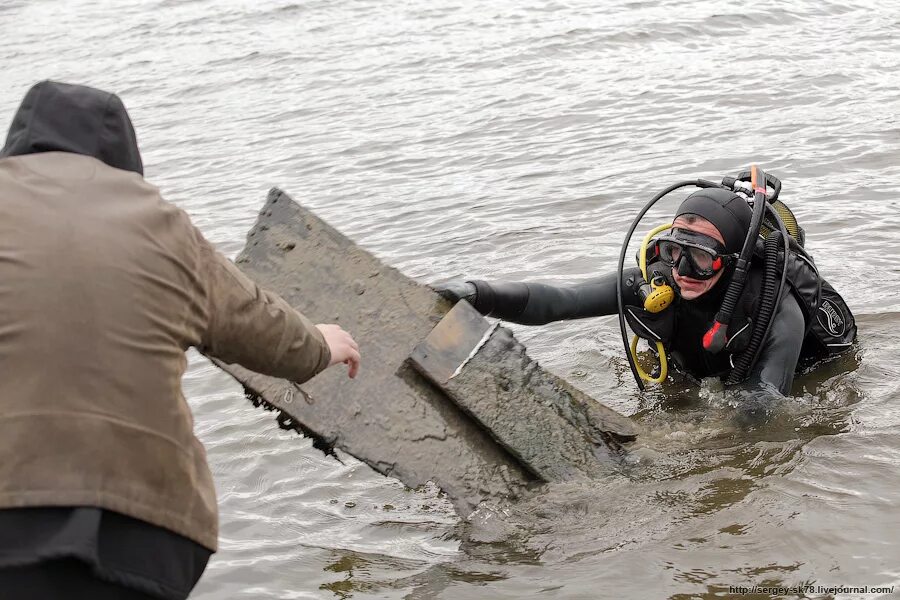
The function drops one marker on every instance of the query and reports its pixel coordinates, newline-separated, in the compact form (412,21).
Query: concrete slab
(390,417)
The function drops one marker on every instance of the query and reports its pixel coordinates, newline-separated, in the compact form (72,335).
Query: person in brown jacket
(105,491)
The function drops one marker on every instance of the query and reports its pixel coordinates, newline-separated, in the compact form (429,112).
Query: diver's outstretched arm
(781,349)
(540,303)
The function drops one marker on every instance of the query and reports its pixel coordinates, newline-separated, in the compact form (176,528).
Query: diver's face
(694,288)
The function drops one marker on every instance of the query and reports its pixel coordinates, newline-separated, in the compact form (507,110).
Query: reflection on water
(516,140)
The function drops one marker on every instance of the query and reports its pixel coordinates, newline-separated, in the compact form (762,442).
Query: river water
(517,140)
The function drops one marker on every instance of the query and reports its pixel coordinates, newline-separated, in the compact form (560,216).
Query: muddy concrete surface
(556,431)
(390,417)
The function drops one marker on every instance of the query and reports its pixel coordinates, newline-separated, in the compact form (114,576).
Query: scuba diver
(713,292)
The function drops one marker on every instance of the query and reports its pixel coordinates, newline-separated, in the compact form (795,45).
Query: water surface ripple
(517,140)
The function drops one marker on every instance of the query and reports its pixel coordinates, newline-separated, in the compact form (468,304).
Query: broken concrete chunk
(553,429)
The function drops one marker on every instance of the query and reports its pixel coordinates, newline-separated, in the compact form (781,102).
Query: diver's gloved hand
(456,290)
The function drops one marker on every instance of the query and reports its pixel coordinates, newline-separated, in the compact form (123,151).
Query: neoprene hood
(60,117)
(726,210)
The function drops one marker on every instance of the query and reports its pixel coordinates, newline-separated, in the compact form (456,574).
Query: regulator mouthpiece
(656,295)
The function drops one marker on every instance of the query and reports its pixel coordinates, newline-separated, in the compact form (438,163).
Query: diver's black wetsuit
(537,304)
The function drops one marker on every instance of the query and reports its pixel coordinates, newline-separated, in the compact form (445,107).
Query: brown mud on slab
(390,417)
(553,429)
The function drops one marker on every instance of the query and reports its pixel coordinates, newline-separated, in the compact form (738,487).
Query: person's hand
(344,348)
(456,290)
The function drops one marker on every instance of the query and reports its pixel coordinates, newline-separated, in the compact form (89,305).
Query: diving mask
(693,254)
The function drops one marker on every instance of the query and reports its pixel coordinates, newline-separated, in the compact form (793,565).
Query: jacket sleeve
(256,328)
(781,349)
(539,303)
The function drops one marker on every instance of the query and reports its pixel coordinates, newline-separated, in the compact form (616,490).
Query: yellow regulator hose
(660,350)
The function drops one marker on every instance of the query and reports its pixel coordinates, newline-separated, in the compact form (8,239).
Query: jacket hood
(59,117)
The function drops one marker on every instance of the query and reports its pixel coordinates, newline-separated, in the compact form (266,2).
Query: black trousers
(63,579)
(86,552)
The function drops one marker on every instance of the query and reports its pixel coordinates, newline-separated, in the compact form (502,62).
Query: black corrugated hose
(768,302)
